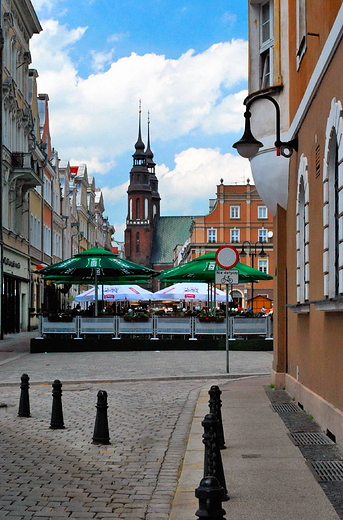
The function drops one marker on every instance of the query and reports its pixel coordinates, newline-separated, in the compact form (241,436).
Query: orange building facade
(304,191)
(237,217)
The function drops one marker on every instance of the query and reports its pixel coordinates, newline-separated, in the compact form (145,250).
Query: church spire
(148,153)
(139,155)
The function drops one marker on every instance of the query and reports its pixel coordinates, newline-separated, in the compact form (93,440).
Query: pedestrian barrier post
(101,434)
(215,405)
(24,401)
(210,495)
(57,412)
(213,465)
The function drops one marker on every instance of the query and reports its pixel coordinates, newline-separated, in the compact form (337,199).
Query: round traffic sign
(227,257)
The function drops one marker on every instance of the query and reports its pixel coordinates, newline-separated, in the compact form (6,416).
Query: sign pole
(227,257)
(227,330)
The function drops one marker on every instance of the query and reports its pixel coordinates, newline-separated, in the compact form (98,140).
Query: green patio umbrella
(95,266)
(204,268)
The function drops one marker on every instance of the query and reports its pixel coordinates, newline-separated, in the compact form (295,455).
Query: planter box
(136,319)
(211,319)
(66,319)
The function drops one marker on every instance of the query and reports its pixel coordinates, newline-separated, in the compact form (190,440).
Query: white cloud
(50,6)
(113,195)
(101,59)
(229,18)
(195,177)
(98,115)
(117,37)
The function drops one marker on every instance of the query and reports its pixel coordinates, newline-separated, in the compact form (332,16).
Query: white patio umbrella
(192,291)
(113,293)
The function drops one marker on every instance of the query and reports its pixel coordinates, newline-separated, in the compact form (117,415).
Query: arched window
(146,209)
(130,209)
(332,202)
(302,232)
(138,209)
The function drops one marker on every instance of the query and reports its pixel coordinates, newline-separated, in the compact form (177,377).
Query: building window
(332,202)
(138,209)
(235,212)
(301,29)
(266,44)
(47,240)
(262,265)
(146,209)
(35,231)
(47,189)
(234,235)
(212,235)
(137,242)
(262,212)
(57,249)
(262,235)
(302,233)
(130,209)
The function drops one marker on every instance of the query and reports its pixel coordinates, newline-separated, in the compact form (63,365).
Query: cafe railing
(155,327)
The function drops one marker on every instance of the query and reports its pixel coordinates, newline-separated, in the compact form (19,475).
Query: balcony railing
(23,169)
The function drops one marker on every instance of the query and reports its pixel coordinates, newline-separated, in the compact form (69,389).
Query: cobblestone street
(48,473)
(59,474)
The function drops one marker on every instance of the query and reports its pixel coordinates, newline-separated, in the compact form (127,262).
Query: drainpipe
(1,177)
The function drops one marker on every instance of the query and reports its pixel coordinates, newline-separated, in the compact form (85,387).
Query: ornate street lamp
(248,146)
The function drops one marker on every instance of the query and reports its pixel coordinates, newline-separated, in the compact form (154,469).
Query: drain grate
(310,438)
(328,470)
(286,408)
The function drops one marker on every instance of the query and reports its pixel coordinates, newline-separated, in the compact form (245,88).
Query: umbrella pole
(96,293)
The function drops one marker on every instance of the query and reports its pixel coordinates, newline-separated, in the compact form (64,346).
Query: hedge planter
(136,318)
(211,319)
(64,318)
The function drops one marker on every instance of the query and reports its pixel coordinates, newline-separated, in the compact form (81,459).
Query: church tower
(143,203)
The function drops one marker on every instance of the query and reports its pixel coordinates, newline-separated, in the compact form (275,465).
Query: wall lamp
(75,224)
(248,146)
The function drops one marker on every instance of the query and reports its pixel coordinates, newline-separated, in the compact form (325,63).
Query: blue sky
(186,61)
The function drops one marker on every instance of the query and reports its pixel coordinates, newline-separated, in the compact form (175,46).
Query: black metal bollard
(210,495)
(213,465)
(24,401)
(57,412)
(101,434)
(215,404)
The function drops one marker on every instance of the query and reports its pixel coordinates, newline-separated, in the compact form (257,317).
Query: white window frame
(47,189)
(262,212)
(302,233)
(301,30)
(47,240)
(212,235)
(35,231)
(234,236)
(263,235)
(266,47)
(235,212)
(332,200)
(57,243)
(262,265)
